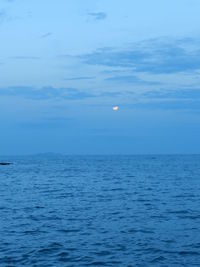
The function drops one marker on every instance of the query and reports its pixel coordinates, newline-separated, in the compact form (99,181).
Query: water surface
(100,211)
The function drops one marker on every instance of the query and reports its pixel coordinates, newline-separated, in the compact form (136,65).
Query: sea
(74,211)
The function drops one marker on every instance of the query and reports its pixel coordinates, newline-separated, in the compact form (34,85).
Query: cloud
(3,15)
(45,93)
(130,79)
(177,99)
(97,15)
(25,57)
(79,78)
(46,35)
(184,94)
(49,93)
(47,123)
(110,94)
(112,58)
(189,105)
(158,56)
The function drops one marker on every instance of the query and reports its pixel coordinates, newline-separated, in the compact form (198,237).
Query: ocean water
(100,211)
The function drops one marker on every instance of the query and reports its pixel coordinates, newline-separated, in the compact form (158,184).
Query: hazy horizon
(49,154)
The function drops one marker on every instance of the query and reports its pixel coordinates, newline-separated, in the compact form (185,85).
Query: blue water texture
(100,211)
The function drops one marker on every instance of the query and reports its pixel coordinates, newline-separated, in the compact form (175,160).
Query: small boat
(5,163)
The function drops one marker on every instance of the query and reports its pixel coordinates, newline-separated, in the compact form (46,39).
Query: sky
(65,64)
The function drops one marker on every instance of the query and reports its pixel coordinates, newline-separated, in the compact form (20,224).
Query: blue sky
(64,64)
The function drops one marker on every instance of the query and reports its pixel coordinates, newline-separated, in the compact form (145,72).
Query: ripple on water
(100,211)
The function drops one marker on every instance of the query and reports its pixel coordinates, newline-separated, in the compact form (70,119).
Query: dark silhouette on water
(5,163)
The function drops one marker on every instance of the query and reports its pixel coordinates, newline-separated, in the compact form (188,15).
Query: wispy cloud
(25,57)
(45,35)
(173,99)
(176,94)
(48,93)
(97,15)
(79,78)
(159,56)
(47,123)
(111,94)
(3,15)
(130,79)
(45,93)
(187,105)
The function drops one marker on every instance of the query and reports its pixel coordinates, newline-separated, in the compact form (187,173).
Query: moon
(115,108)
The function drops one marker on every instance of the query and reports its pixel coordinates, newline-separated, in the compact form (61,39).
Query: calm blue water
(100,211)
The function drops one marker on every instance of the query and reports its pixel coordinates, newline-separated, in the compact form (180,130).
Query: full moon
(115,108)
